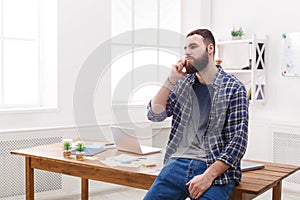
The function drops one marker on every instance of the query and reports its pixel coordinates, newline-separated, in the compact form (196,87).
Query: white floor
(112,193)
(108,191)
(120,192)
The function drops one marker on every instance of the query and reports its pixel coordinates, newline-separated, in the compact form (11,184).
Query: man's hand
(198,185)
(177,71)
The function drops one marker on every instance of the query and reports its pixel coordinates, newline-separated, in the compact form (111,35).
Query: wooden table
(256,182)
(50,158)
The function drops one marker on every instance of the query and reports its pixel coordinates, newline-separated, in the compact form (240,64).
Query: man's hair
(207,36)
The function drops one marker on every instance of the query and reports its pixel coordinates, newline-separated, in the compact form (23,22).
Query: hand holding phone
(178,70)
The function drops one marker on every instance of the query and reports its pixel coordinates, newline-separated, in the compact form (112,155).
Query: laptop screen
(247,166)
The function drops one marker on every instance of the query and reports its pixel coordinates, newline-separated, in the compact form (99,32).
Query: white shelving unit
(247,60)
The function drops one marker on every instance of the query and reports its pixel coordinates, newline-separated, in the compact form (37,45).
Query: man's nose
(187,52)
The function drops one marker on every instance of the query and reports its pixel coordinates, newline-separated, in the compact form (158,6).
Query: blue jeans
(170,183)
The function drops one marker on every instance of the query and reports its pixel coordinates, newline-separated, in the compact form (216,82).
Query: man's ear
(210,48)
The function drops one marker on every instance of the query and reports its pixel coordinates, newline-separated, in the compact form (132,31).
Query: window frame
(47,71)
(135,46)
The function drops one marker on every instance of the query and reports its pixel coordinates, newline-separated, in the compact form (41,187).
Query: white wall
(272,18)
(195,14)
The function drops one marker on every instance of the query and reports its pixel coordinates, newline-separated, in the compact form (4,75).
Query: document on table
(122,160)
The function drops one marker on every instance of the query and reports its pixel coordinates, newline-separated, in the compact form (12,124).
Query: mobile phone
(184,66)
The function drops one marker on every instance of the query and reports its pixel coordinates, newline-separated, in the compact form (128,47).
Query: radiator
(12,168)
(286,149)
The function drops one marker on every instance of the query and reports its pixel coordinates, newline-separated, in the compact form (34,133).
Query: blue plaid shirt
(226,134)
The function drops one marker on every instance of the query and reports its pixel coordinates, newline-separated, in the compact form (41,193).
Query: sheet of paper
(113,163)
(123,160)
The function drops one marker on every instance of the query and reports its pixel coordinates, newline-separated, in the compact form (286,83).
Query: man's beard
(199,64)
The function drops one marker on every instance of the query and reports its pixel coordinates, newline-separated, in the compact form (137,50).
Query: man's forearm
(159,102)
(215,170)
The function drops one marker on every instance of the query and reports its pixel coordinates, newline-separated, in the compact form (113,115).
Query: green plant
(80,147)
(67,145)
(237,32)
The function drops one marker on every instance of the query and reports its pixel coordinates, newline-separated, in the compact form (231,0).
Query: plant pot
(80,155)
(67,153)
(237,37)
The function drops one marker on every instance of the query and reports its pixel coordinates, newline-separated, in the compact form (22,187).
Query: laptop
(247,166)
(126,140)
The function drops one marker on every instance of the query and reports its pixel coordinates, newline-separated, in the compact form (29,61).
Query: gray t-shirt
(192,144)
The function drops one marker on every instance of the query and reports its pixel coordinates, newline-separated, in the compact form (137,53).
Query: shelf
(238,71)
(242,41)
(246,52)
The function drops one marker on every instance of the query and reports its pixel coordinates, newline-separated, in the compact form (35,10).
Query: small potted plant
(67,149)
(237,33)
(218,62)
(80,151)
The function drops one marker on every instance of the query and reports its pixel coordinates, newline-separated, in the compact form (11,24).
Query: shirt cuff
(156,117)
(227,160)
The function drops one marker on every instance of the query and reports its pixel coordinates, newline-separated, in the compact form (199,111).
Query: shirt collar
(218,78)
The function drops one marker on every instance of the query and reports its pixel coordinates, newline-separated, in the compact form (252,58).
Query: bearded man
(209,132)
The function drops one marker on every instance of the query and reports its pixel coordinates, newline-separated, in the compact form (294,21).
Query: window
(136,74)
(28,48)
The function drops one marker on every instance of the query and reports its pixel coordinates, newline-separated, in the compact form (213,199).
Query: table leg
(29,180)
(277,191)
(237,195)
(84,189)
